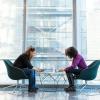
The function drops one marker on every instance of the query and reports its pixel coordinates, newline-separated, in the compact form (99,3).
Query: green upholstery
(13,72)
(91,72)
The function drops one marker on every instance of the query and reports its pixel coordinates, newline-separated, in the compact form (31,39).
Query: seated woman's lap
(74,71)
(29,71)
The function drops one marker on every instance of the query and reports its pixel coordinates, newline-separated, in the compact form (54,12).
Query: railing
(4,79)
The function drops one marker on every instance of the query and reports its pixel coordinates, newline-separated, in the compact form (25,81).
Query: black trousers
(70,75)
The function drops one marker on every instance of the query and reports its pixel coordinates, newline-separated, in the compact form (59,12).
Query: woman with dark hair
(78,64)
(23,62)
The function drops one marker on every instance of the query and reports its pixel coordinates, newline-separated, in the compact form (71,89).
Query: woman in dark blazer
(23,62)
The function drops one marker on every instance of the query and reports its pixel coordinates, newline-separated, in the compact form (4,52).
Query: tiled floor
(53,95)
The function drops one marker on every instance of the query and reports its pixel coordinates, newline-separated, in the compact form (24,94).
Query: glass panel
(81,27)
(49,28)
(93,29)
(93,33)
(11,28)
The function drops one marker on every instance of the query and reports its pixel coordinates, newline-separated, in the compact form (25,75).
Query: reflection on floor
(50,95)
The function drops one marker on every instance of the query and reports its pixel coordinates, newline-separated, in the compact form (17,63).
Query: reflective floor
(51,95)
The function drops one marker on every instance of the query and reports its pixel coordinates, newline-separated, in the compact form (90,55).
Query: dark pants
(31,75)
(70,75)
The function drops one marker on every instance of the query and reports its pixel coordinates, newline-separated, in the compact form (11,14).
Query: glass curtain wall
(93,33)
(11,32)
(81,27)
(49,30)
(11,28)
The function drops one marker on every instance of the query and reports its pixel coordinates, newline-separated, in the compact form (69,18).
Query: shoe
(70,89)
(33,90)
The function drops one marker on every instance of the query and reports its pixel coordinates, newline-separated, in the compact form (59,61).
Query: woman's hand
(61,70)
(39,70)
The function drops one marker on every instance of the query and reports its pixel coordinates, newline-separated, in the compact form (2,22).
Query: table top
(51,71)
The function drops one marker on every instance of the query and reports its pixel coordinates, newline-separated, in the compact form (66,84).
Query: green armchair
(90,73)
(14,73)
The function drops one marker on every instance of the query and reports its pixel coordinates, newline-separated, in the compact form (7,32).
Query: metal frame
(18,88)
(51,75)
(91,89)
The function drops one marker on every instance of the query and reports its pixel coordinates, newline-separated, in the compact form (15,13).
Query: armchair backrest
(14,72)
(91,72)
(90,65)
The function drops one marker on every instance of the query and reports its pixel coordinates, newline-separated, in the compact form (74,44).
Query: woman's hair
(27,52)
(71,52)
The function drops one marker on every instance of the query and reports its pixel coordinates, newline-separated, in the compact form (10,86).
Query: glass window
(81,27)
(93,29)
(49,28)
(11,29)
(93,32)
(11,32)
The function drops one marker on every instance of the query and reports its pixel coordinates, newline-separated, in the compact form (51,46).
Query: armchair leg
(17,87)
(83,86)
(91,92)
(9,86)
